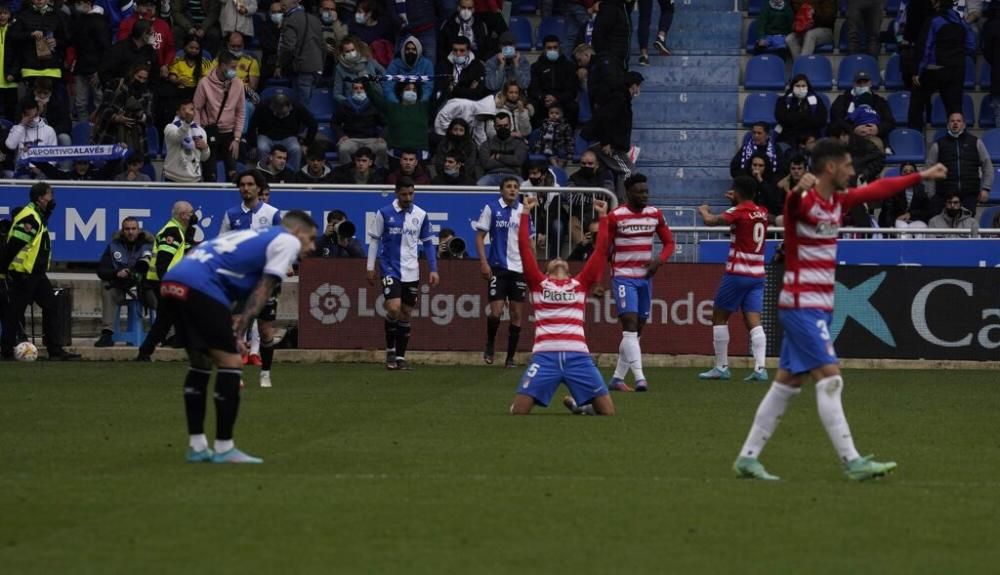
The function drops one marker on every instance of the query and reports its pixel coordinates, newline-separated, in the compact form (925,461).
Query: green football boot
(864,468)
(751,468)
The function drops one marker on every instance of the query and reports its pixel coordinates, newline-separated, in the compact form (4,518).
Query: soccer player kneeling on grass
(742,285)
(199,292)
(812,221)
(560,353)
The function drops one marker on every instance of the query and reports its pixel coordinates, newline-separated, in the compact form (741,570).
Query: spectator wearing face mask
(461,75)
(281,121)
(31,131)
(354,62)
(161,36)
(268,34)
(800,111)
(482,34)
(357,123)
(868,112)
(220,108)
(477,115)
(453,172)
(300,49)
(411,61)
(38,37)
(334,32)
(373,28)
(416,19)
(54,108)
(126,110)
(457,142)
(511,98)
(406,119)
(237,16)
(554,82)
(501,155)
(124,54)
(767,191)
(970,170)
(908,209)
(507,66)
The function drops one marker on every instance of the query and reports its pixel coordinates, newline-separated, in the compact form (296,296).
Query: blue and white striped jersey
(399,235)
(242,218)
(501,222)
(230,266)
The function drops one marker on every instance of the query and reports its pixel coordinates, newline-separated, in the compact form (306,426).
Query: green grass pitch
(424,472)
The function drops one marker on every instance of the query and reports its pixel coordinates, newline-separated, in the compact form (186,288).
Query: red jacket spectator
(162,37)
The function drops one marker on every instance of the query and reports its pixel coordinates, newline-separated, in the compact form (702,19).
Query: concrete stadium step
(686,185)
(690,73)
(685,147)
(694,6)
(698,30)
(686,108)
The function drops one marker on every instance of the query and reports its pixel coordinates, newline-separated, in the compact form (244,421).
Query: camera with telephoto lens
(453,248)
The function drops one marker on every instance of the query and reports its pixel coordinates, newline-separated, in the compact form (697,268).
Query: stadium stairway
(686,120)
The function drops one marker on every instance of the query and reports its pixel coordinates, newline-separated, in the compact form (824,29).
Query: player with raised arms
(396,234)
(633,266)
(742,286)
(500,265)
(812,221)
(560,353)
(254,213)
(237,268)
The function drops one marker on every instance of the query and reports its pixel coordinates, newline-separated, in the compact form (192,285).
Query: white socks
(831,413)
(254,339)
(621,370)
(198,442)
(633,354)
(222,446)
(720,339)
(769,413)
(758,347)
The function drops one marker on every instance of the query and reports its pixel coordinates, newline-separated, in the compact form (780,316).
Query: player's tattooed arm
(709,218)
(256,302)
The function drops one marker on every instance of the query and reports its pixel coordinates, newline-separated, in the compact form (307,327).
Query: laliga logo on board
(329,304)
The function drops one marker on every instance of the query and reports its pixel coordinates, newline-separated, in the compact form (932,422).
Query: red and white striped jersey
(558,305)
(748,225)
(811,226)
(632,240)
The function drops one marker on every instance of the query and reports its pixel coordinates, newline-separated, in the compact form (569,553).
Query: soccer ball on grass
(25,351)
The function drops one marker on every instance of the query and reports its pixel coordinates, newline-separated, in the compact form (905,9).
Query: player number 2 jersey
(632,240)
(501,222)
(748,225)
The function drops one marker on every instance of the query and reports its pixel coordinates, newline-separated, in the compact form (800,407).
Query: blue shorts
(740,292)
(633,295)
(548,369)
(806,344)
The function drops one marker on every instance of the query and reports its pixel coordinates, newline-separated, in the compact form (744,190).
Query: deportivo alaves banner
(881,312)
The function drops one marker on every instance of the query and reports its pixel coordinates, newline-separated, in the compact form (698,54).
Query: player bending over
(560,353)
(632,227)
(812,219)
(742,285)
(199,291)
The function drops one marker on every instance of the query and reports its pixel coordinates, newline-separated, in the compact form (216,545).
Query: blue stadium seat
(554,25)
(817,68)
(986,220)
(521,29)
(939,119)
(907,146)
(899,103)
(970,73)
(759,107)
(754,7)
(985,76)
(321,105)
(991,139)
(6,124)
(986,117)
(81,133)
(525,7)
(765,72)
(580,146)
(279,83)
(559,174)
(270,91)
(153,149)
(893,75)
(150,171)
(891,7)
(751,37)
(890,172)
(853,64)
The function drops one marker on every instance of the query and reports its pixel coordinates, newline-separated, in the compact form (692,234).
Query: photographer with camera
(338,239)
(450,246)
(582,251)
(123,265)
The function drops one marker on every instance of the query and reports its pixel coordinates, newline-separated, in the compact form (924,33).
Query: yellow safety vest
(178,251)
(24,261)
